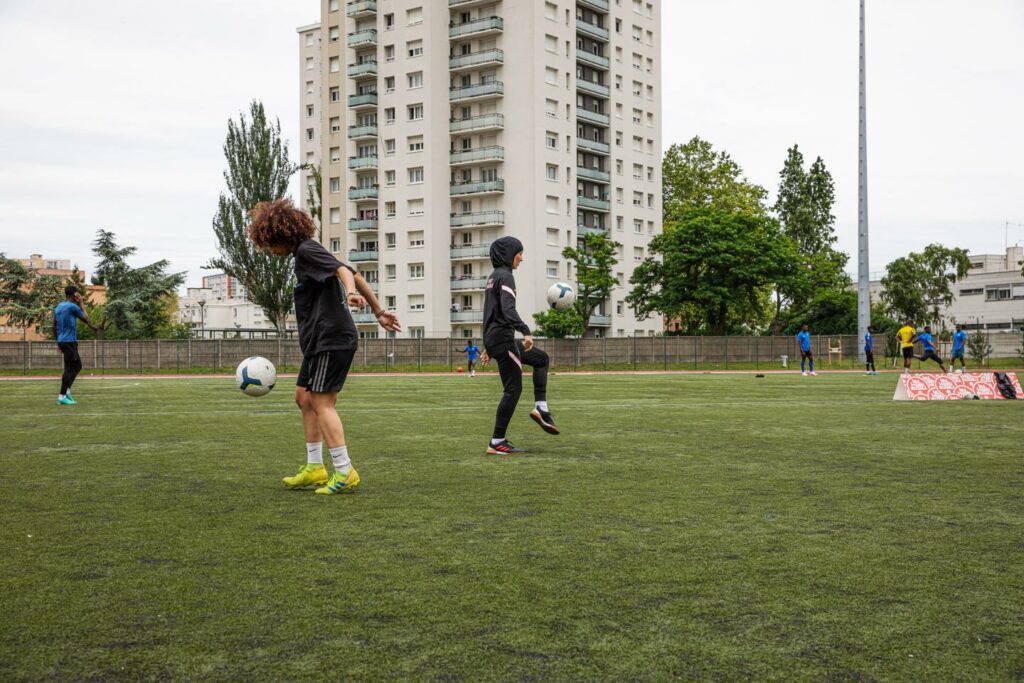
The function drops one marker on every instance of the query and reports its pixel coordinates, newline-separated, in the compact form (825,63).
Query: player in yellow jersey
(906,339)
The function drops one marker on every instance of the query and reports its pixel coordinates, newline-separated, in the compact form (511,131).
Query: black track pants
(510,359)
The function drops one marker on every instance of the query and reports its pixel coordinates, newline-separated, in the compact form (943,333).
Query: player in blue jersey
(65,330)
(869,352)
(804,341)
(929,347)
(959,345)
(472,352)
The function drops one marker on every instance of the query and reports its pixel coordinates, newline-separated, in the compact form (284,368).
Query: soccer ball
(561,296)
(256,376)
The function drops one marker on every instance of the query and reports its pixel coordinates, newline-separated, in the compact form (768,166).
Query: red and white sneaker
(503,448)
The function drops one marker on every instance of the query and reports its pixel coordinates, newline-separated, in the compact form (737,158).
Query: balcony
(593,174)
(473,60)
(477,27)
(362,224)
(478,219)
(478,155)
(593,146)
(356,194)
(596,5)
(471,252)
(480,91)
(477,123)
(583,230)
(361,70)
(364,318)
(362,256)
(361,8)
(593,117)
(591,88)
(599,320)
(469,283)
(593,204)
(596,61)
(367,161)
(479,187)
(592,30)
(363,132)
(364,38)
(363,101)
(467,316)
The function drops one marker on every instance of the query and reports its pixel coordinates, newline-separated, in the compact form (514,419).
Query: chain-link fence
(433,355)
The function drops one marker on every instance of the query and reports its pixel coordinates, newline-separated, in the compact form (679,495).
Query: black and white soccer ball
(256,376)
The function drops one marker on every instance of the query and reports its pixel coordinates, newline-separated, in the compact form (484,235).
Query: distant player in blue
(869,353)
(804,340)
(959,345)
(65,330)
(472,352)
(929,347)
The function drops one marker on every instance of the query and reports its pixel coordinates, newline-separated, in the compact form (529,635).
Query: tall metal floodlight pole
(863,271)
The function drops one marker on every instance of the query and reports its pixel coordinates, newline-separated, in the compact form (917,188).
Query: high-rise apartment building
(445,124)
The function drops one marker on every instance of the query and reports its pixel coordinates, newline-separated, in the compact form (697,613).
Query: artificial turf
(694,527)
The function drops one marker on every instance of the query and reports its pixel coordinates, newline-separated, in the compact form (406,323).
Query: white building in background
(444,125)
(221,306)
(310,82)
(990,297)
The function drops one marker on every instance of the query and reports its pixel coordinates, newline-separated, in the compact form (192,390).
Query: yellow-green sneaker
(309,475)
(341,483)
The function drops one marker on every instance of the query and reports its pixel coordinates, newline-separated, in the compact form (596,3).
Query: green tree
(27,298)
(139,300)
(593,262)
(559,324)
(695,176)
(978,347)
(258,171)
(710,261)
(916,286)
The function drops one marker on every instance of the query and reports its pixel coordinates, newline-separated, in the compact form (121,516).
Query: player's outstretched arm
(387,320)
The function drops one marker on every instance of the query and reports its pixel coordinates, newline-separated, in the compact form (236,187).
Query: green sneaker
(67,401)
(340,483)
(309,475)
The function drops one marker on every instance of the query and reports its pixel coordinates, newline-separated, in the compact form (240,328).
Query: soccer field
(700,527)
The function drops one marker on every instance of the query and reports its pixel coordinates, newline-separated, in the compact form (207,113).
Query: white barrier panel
(951,386)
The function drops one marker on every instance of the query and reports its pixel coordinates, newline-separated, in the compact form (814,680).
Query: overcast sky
(113,112)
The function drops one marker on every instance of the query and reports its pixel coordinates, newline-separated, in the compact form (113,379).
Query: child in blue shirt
(472,351)
(959,345)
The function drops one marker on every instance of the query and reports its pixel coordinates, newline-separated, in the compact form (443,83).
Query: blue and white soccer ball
(561,296)
(256,376)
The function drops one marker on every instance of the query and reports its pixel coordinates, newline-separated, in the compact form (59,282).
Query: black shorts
(908,352)
(325,372)
(930,354)
(806,354)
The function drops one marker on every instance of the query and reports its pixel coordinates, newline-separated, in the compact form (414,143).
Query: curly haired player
(324,289)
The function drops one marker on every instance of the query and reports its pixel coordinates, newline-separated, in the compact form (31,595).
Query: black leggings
(72,365)
(510,359)
(869,360)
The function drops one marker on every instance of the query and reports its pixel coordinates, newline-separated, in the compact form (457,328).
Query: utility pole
(863,268)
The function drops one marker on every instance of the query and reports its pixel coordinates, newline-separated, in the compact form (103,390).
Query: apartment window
(416,238)
(415,112)
(638,144)
(415,207)
(389,84)
(638,116)
(551,140)
(650,37)
(650,92)
(618,223)
(335,245)
(335,219)
(638,88)
(416,302)
(650,227)
(309,133)
(309,63)
(416,175)
(335,185)
(999,293)
(389,147)
(638,227)
(391,302)
(552,268)
(335,94)
(414,16)
(551,11)
(334,64)
(618,166)
(638,171)
(309,87)
(389,21)
(389,178)
(390,243)
(638,199)
(332,5)
(389,115)
(335,34)
(389,53)
(390,209)
(551,204)
(650,65)
(638,62)
(553,236)
(335,154)
(551,44)
(415,79)
(415,143)
(638,254)
(416,332)
(551,75)
(414,48)
(650,200)
(309,111)
(551,108)
(552,172)
(415,271)
(638,34)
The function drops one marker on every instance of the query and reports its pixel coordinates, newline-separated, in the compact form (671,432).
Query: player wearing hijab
(501,322)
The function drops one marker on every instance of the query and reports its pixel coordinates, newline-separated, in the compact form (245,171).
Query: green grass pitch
(693,527)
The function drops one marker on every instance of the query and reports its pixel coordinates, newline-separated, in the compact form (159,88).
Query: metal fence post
(634,352)
(157,354)
(604,352)
(419,354)
(450,368)
(664,351)
(726,350)
(26,364)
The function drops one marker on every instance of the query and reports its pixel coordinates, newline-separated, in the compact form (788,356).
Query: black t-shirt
(325,323)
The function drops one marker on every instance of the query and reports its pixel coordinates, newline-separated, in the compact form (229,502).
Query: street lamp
(202,318)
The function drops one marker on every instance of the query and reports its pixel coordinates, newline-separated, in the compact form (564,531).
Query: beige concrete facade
(447,124)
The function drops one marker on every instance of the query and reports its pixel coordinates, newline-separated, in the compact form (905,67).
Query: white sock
(495,442)
(315,453)
(542,405)
(60,396)
(340,457)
